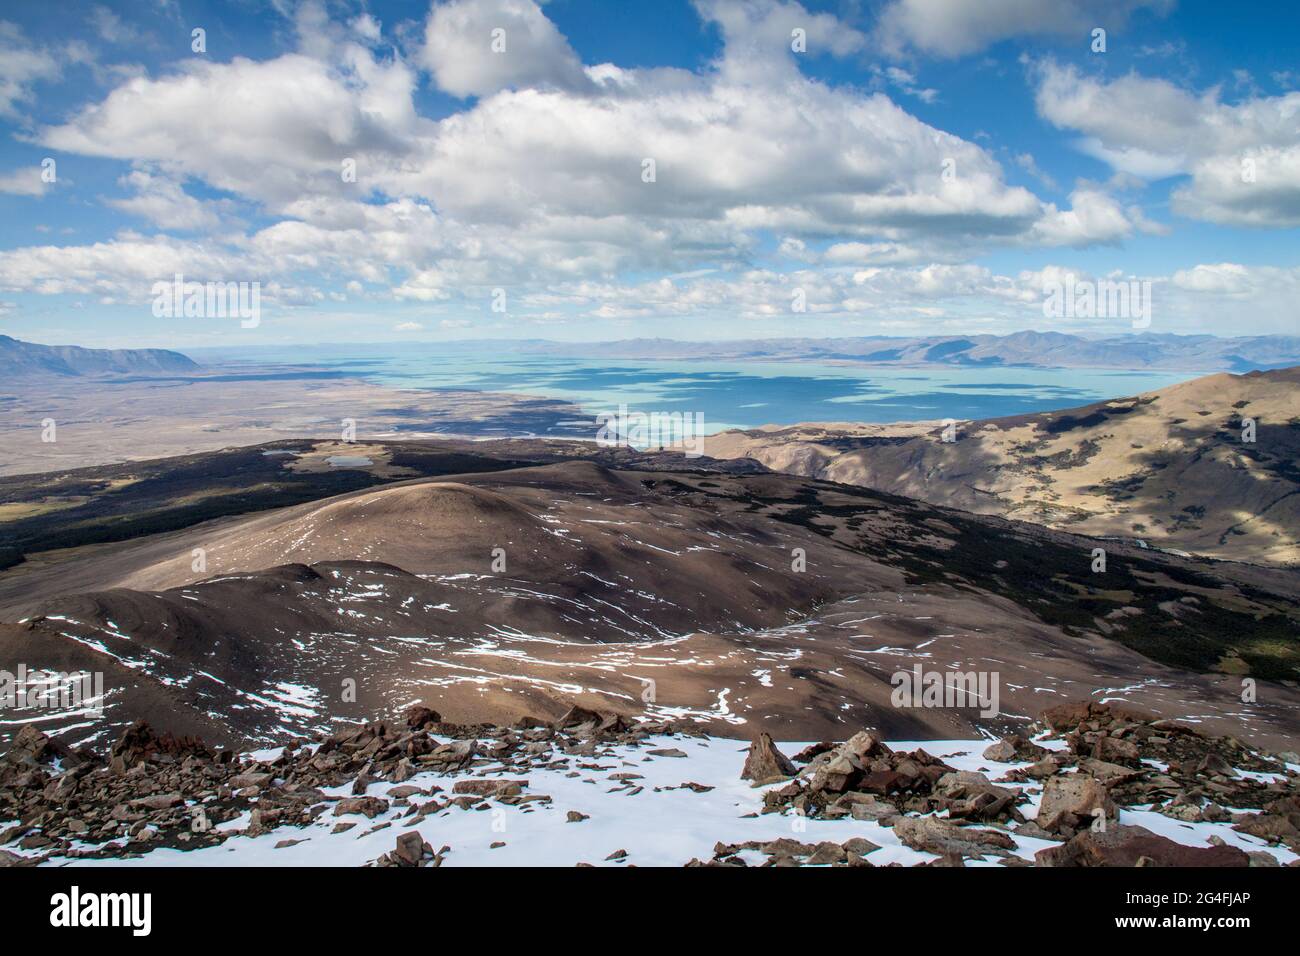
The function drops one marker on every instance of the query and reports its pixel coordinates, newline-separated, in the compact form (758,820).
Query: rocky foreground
(1099,786)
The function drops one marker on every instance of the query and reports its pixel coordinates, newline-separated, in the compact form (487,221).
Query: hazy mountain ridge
(1202,353)
(19,358)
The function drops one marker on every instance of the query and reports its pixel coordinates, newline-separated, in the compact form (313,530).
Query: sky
(593,170)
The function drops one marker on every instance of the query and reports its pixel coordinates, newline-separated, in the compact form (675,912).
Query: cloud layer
(591,189)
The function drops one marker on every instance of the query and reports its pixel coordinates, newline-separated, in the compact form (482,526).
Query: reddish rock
(1135,846)
(1069,801)
(418,716)
(765,762)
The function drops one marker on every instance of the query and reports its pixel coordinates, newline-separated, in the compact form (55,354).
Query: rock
(784,846)
(881,782)
(764,762)
(865,744)
(370,807)
(1117,751)
(1031,829)
(617,855)
(827,853)
(418,716)
(489,787)
(240,781)
(932,835)
(872,810)
(139,743)
(1064,717)
(809,753)
(1012,748)
(1212,763)
(577,716)
(859,846)
(1069,801)
(667,752)
(1047,767)
(573,816)
(410,848)
(30,747)
(1109,774)
(160,801)
(1135,846)
(1273,827)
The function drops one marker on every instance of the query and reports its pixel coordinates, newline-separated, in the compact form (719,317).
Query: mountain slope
(734,601)
(1170,467)
(18,358)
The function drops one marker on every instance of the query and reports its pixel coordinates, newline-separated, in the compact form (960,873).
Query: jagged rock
(968,795)
(865,744)
(1135,846)
(1069,801)
(932,835)
(370,807)
(1116,751)
(860,846)
(1070,716)
(418,717)
(826,853)
(139,743)
(410,848)
(764,762)
(576,716)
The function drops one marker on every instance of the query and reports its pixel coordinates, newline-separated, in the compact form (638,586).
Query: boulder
(490,787)
(1069,801)
(410,848)
(932,835)
(1014,747)
(765,762)
(1135,846)
(419,716)
(370,807)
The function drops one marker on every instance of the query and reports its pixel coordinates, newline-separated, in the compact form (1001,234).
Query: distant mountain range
(1201,353)
(1194,353)
(19,358)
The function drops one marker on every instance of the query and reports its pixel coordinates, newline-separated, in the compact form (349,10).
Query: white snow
(657,826)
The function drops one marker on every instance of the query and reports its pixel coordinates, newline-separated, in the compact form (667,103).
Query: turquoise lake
(729,394)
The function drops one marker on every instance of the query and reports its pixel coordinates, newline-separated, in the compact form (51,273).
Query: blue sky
(917,167)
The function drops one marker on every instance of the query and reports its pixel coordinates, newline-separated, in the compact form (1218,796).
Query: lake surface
(728,394)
